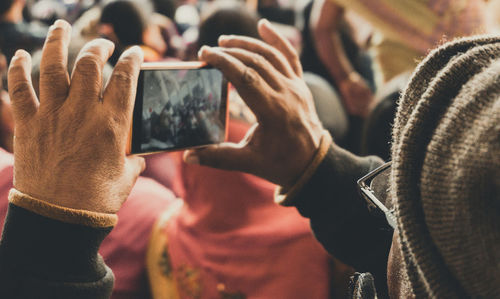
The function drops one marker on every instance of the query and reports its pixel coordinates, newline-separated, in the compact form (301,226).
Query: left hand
(69,145)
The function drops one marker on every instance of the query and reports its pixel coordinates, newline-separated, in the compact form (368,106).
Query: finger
(119,95)
(137,164)
(270,75)
(54,79)
(86,78)
(275,39)
(276,58)
(249,84)
(21,92)
(227,156)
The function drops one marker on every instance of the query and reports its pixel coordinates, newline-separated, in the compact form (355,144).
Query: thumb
(227,156)
(136,165)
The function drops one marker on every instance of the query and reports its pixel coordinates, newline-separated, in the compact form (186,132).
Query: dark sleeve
(45,258)
(339,216)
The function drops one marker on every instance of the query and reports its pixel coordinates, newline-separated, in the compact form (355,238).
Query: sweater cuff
(286,197)
(63,214)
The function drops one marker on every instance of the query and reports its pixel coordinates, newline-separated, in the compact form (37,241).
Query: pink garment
(124,249)
(231,236)
(6,175)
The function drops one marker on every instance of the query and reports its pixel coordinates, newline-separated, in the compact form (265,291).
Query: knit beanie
(445,179)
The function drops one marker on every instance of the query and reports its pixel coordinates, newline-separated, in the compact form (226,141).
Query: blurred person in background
(125,23)
(362,63)
(226,238)
(15,32)
(6,118)
(215,23)
(404,33)
(446,163)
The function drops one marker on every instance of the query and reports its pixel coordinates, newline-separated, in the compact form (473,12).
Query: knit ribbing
(446,131)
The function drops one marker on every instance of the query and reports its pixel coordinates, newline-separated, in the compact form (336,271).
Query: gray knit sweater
(446,171)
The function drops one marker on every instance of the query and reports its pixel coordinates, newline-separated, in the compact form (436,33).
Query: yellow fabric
(285,197)
(68,215)
(394,59)
(407,29)
(162,283)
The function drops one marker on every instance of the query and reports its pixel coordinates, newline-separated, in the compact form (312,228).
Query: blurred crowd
(357,57)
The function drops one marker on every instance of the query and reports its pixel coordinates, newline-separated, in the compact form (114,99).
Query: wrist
(285,194)
(61,213)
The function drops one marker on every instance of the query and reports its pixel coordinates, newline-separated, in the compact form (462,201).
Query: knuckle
(109,130)
(88,64)
(294,55)
(275,55)
(19,89)
(216,60)
(249,76)
(257,60)
(52,69)
(123,76)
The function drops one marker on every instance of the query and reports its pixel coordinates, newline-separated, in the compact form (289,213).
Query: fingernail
(20,53)
(223,38)
(107,41)
(136,49)
(265,21)
(61,24)
(191,158)
(202,49)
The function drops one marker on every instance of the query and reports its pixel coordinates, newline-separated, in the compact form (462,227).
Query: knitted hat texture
(445,178)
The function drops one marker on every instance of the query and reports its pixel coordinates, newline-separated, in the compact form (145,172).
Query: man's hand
(69,147)
(268,76)
(356,95)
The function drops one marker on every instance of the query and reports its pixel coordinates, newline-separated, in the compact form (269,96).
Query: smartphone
(178,105)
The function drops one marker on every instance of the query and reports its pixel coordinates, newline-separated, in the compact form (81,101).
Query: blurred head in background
(225,18)
(123,22)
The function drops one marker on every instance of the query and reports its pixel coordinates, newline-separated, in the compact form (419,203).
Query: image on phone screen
(179,108)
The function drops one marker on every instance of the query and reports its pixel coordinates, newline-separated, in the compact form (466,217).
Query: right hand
(69,145)
(268,76)
(356,95)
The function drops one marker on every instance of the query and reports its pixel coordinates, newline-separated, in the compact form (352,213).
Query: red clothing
(231,239)
(124,249)
(6,175)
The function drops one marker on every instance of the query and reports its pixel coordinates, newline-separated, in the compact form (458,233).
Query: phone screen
(179,108)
